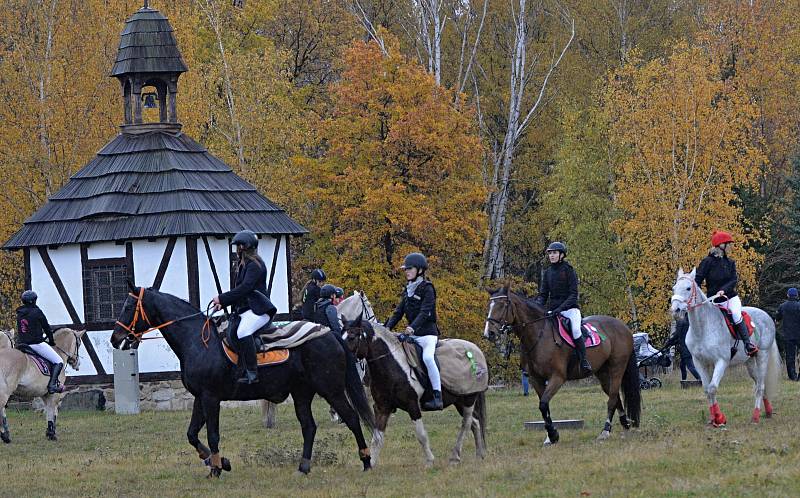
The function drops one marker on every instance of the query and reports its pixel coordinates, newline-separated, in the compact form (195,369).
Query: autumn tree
(400,172)
(687,143)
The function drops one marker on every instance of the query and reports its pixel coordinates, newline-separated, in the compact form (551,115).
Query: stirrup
(249,377)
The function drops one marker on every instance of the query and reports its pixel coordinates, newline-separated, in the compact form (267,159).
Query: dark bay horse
(319,366)
(394,385)
(550,363)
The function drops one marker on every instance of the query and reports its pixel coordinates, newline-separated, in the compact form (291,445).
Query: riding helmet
(415,260)
(246,238)
(29,297)
(339,292)
(719,237)
(318,275)
(327,290)
(792,293)
(557,246)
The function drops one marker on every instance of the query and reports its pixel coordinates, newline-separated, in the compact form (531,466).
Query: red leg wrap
(756,415)
(768,408)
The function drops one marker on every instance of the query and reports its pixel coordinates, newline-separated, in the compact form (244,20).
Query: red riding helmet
(719,237)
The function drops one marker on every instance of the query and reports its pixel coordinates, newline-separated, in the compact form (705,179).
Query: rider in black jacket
(789,314)
(250,301)
(32,327)
(560,286)
(719,273)
(325,311)
(418,305)
(311,293)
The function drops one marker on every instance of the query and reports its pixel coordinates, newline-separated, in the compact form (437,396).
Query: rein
(71,358)
(693,296)
(140,314)
(505,326)
(365,307)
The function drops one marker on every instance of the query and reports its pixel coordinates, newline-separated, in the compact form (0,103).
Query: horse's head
(68,341)
(356,306)
(684,293)
(358,334)
(133,320)
(500,318)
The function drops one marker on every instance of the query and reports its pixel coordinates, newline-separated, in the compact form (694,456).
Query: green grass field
(672,454)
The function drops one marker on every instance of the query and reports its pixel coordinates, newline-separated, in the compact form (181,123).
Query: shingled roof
(148,45)
(152,185)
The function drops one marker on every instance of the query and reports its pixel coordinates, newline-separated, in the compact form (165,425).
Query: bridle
(504,326)
(72,359)
(690,301)
(366,306)
(139,314)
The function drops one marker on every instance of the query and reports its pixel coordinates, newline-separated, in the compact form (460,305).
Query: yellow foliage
(686,142)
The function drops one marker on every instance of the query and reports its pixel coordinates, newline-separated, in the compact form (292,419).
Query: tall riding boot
(580,349)
(247,349)
(436,403)
(53,386)
(741,330)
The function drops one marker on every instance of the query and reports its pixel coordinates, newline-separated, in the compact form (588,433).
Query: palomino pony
(550,362)
(20,376)
(710,343)
(394,385)
(353,307)
(318,366)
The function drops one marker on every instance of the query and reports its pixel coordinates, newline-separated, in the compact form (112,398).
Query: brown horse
(550,362)
(395,385)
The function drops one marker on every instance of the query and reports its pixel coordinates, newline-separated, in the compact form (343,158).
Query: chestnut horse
(550,362)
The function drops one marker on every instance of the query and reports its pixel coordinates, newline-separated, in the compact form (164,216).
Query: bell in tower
(148,56)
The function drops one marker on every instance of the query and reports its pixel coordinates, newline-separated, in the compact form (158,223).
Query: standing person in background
(679,339)
(789,315)
(311,293)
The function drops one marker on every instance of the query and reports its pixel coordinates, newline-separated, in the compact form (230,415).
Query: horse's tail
(479,413)
(355,389)
(772,382)
(631,391)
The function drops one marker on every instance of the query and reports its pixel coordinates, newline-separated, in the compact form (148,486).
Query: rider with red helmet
(719,273)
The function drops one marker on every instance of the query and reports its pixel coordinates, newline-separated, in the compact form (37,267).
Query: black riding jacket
(419,310)
(789,314)
(32,326)
(719,274)
(325,314)
(249,278)
(560,286)
(310,298)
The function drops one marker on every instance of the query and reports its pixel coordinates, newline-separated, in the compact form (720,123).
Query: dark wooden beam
(274,264)
(192,271)
(51,270)
(162,267)
(129,261)
(289,272)
(27,256)
(213,266)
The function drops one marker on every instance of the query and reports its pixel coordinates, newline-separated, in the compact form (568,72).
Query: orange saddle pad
(272,357)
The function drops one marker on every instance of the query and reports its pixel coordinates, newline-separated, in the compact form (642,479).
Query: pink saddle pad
(593,339)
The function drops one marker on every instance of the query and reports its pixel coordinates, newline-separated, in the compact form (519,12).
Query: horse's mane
(175,299)
(529,302)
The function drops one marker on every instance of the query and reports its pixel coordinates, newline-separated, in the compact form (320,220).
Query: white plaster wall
(103,250)
(219,252)
(280,286)
(49,299)
(146,258)
(176,279)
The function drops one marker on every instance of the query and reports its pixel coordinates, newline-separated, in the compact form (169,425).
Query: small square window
(105,289)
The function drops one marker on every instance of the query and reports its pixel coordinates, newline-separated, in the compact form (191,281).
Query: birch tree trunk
(520,115)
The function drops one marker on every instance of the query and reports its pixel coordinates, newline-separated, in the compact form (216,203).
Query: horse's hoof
(305,466)
(428,464)
(6,438)
(215,473)
(52,437)
(603,436)
(226,464)
(455,461)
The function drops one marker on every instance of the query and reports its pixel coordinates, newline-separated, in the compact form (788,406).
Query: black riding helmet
(318,275)
(415,260)
(339,292)
(245,238)
(29,297)
(557,246)
(327,290)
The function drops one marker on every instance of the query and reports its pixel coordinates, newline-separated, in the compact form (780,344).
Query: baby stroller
(649,357)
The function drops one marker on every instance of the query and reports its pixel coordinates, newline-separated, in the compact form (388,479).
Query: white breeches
(428,343)
(574,315)
(45,351)
(733,304)
(249,322)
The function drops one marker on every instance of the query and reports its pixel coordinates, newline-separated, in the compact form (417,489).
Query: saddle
(726,313)
(591,336)
(462,367)
(44,366)
(272,342)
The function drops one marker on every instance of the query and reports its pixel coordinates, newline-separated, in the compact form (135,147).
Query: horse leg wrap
(767,408)
(6,434)
(51,431)
(756,415)
(623,419)
(607,427)
(363,454)
(717,417)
